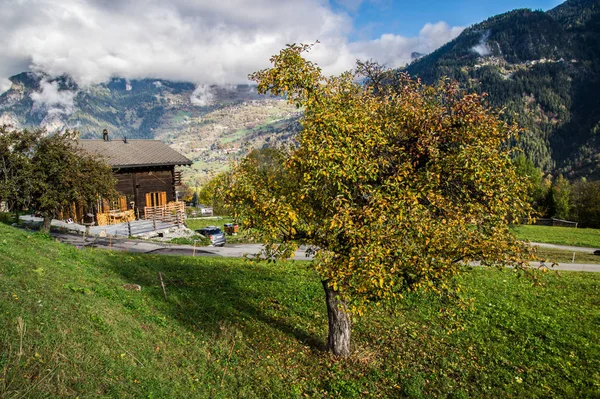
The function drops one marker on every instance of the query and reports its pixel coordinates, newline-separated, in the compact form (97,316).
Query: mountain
(209,124)
(543,70)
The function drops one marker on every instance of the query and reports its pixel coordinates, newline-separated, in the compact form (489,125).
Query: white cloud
(53,100)
(205,42)
(482,48)
(395,50)
(202,96)
(4,84)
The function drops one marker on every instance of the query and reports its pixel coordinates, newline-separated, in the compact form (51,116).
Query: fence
(173,212)
(555,222)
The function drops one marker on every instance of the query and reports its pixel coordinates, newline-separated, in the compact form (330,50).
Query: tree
(56,172)
(538,186)
(585,200)
(15,166)
(559,198)
(394,186)
(211,194)
(186,192)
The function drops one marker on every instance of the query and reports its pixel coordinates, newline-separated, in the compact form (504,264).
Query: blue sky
(406,18)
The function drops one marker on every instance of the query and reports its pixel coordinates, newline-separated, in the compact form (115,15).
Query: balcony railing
(177,178)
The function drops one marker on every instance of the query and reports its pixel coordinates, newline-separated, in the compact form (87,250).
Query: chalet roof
(134,153)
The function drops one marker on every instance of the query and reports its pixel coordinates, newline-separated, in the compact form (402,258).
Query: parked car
(214,234)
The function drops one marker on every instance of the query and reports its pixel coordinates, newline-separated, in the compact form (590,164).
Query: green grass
(238,134)
(200,165)
(196,224)
(560,256)
(180,116)
(197,239)
(237,329)
(559,235)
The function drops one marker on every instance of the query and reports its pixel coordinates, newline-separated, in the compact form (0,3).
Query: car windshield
(212,231)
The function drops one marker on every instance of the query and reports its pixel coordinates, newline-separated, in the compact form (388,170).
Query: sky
(220,42)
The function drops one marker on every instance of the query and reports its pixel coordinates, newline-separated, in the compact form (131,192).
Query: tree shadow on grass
(203,293)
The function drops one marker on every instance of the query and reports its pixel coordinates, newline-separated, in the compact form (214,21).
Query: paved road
(153,247)
(228,251)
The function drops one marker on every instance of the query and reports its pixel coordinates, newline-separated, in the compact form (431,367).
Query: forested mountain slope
(542,68)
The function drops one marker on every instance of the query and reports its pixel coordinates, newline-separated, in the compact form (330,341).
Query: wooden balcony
(177,178)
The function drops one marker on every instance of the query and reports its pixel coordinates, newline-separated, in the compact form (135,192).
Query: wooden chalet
(147,179)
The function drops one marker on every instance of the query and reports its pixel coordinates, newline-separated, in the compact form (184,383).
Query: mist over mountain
(542,69)
(207,123)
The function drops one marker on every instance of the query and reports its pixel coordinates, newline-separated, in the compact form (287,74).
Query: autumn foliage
(395,184)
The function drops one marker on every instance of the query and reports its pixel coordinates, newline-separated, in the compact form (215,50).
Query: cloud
(395,50)
(53,100)
(204,42)
(202,96)
(482,48)
(4,84)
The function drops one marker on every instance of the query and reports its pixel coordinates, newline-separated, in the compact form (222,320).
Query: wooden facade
(149,186)
(145,172)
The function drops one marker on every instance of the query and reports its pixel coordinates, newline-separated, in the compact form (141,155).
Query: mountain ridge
(542,70)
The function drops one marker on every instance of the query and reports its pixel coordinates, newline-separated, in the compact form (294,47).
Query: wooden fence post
(162,284)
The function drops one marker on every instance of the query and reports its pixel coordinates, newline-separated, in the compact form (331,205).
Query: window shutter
(148,199)
(123,203)
(163,198)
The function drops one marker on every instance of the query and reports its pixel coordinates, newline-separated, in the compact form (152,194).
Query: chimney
(105,135)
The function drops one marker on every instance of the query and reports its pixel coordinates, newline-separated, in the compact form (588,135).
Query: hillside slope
(209,124)
(230,328)
(543,69)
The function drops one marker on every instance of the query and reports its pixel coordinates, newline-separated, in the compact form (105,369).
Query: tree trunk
(46,224)
(338,341)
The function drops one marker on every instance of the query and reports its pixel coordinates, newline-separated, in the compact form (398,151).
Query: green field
(199,223)
(238,134)
(233,329)
(561,256)
(559,235)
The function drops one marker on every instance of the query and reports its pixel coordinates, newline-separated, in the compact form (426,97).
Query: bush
(8,217)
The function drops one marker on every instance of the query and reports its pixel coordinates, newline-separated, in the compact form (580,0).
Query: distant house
(145,170)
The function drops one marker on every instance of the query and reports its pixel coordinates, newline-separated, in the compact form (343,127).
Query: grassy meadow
(559,235)
(233,329)
(199,223)
(561,256)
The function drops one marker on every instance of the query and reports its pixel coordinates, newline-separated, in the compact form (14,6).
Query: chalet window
(156,198)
